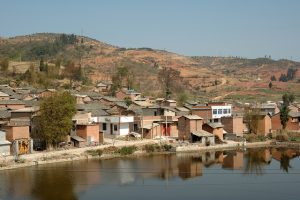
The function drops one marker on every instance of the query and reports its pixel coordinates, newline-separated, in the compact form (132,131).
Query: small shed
(203,137)
(78,141)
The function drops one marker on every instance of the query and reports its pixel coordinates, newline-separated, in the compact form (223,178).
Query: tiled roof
(4,102)
(202,133)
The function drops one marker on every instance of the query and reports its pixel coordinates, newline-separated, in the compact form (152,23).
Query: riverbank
(228,146)
(41,158)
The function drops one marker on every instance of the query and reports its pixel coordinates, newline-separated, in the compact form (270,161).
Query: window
(155,113)
(215,111)
(219,111)
(104,126)
(229,111)
(135,127)
(224,111)
(115,127)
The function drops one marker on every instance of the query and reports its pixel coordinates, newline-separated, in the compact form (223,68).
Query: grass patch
(127,150)
(97,152)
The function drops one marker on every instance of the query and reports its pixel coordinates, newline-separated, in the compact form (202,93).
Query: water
(254,174)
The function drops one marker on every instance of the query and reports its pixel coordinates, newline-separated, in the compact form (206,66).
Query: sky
(246,28)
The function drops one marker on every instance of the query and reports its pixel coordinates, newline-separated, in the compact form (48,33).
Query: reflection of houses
(293,123)
(233,160)
(189,166)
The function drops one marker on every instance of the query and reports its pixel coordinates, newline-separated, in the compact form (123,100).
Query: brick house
(89,132)
(214,128)
(293,123)
(187,124)
(233,124)
(264,124)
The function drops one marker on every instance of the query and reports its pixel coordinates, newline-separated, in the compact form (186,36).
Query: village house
(4,144)
(115,125)
(12,104)
(264,124)
(214,128)
(19,136)
(128,94)
(212,111)
(103,87)
(45,93)
(4,116)
(170,103)
(89,132)
(187,124)
(293,123)
(233,125)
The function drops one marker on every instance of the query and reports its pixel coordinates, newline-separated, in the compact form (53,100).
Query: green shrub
(150,148)
(97,152)
(282,138)
(166,147)
(127,150)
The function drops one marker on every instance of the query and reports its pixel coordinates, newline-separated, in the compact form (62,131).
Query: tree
(273,78)
(168,77)
(252,118)
(4,65)
(55,119)
(270,85)
(284,110)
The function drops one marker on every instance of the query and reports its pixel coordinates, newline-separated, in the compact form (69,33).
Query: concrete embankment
(228,146)
(65,155)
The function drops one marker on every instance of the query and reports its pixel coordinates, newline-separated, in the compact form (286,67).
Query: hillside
(203,77)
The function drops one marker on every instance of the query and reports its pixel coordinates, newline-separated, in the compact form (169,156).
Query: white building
(221,111)
(115,125)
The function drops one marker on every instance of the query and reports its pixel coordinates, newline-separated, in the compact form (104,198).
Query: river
(252,174)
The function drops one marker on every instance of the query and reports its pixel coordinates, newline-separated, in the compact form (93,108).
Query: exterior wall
(152,133)
(205,114)
(184,129)
(233,125)
(169,113)
(276,124)
(5,149)
(16,132)
(264,126)
(88,132)
(174,130)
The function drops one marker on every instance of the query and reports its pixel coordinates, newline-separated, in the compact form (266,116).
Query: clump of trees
(290,75)
(252,118)
(55,119)
(273,78)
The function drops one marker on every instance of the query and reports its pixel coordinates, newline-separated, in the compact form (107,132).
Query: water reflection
(70,180)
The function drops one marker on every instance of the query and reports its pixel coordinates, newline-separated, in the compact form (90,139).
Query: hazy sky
(248,28)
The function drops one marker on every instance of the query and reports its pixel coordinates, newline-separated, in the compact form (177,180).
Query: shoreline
(71,155)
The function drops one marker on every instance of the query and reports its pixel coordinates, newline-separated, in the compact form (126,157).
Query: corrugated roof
(77,138)
(2,94)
